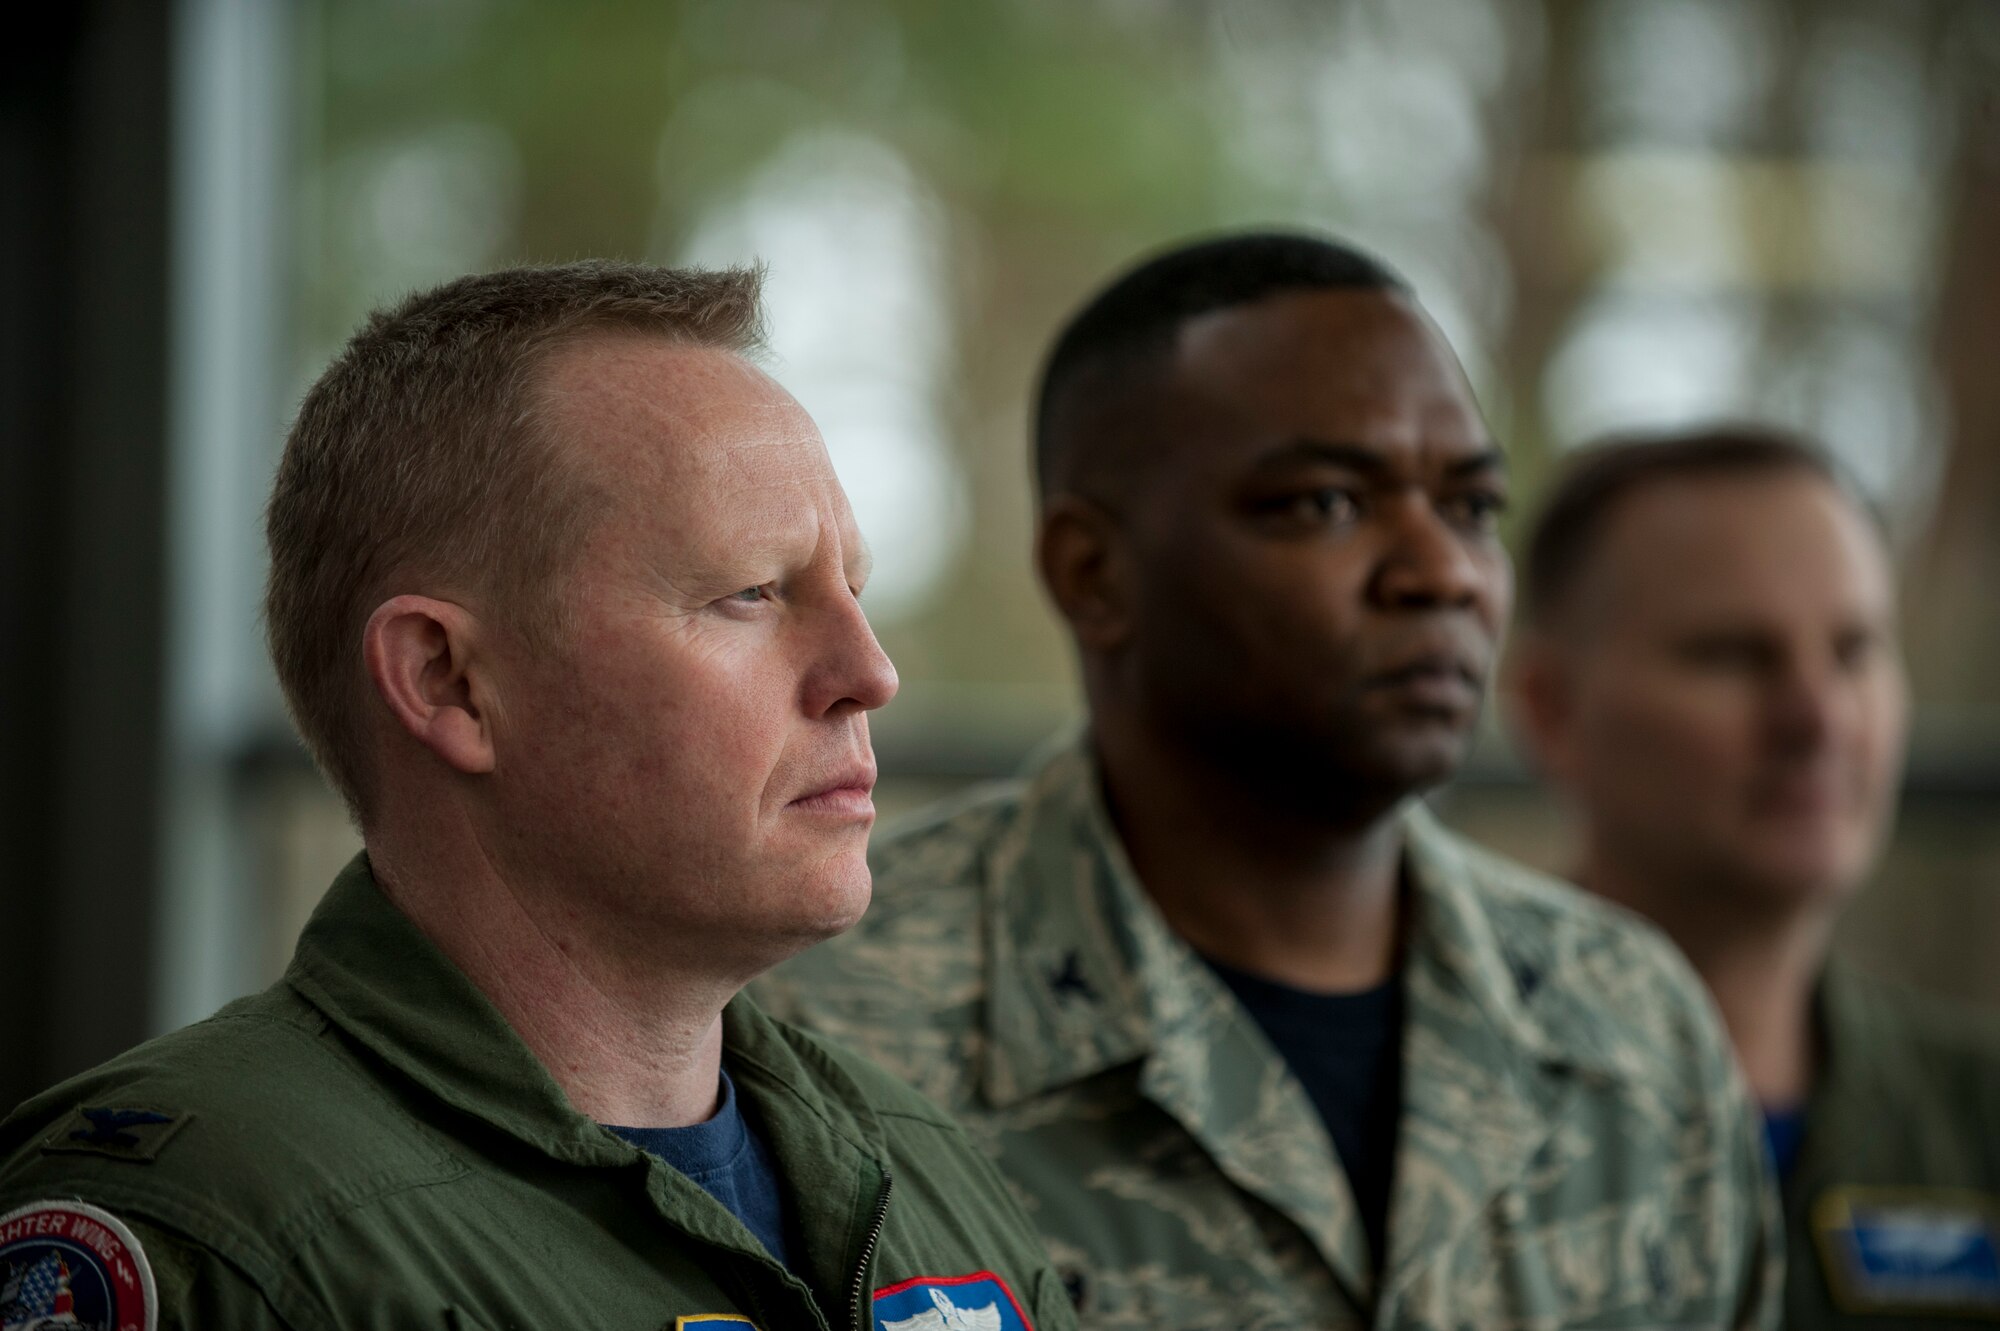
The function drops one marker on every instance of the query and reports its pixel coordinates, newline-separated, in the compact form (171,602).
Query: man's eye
(1338,505)
(1854,650)
(748,594)
(1478,510)
(1727,654)
(1324,504)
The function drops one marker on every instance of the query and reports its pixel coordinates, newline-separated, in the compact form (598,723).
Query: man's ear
(1081,552)
(420,659)
(1535,689)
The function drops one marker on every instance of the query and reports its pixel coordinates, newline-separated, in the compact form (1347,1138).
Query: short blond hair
(418,462)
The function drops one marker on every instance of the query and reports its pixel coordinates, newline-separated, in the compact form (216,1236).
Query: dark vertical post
(84,145)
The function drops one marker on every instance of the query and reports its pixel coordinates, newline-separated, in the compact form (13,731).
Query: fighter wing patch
(68,1264)
(978,1302)
(1910,1250)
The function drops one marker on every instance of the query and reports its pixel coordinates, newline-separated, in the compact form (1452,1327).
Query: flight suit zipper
(860,1289)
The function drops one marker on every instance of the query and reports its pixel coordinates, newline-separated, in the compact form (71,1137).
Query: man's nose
(1427,563)
(853,668)
(1804,704)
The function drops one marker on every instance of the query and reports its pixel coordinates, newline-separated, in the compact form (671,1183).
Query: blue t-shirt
(1785,1132)
(1347,1051)
(731,1163)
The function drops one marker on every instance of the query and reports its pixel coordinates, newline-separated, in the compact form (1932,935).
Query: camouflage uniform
(1575,1147)
(1893,1208)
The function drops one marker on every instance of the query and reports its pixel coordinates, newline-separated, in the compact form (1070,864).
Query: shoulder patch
(977,1302)
(1910,1250)
(695,1321)
(121,1133)
(66,1263)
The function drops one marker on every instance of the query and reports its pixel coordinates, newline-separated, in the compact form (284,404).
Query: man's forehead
(641,407)
(1353,335)
(1386,453)
(1768,545)
(1348,366)
(701,454)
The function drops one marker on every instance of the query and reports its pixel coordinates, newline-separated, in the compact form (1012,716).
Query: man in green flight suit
(1260,1043)
(1709,670)
(564,599)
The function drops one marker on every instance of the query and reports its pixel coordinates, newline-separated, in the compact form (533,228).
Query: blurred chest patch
(978,1302)
(64,1263)
(1910,1250)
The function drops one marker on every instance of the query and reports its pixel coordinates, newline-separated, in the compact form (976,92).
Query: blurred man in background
(1709,670)
(564,599)
(1263,1045)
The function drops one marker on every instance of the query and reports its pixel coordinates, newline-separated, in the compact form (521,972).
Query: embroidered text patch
(64,1263)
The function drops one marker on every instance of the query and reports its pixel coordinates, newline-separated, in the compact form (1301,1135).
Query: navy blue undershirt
(730,1161)
(1785,1131)
(1346,1050)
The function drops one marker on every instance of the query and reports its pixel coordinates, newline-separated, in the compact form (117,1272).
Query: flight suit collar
(1085,976)
(375,975)
(378,979)
(1871,1076)
(1860,1053)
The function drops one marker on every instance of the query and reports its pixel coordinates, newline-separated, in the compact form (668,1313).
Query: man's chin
(1408,761)
(835,900)
(1805,882)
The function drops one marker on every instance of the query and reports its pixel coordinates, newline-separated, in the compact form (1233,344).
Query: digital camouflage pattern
(1576,1149)
(1906,1108)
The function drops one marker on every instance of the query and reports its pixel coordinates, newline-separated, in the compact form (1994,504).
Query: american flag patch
(66,1263)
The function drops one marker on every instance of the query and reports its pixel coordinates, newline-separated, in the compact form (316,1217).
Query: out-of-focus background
(1622,212)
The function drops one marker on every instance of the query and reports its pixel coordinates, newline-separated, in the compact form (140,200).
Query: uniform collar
(379,980)
(1848,1014)
(1864,1029)
(1086,975)
(376,976)
(387,986)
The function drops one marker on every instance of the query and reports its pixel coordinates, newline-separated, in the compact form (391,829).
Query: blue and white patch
(977,1302)
(1910,1250)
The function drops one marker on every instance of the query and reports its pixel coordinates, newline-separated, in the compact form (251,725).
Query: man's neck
(1761,963)
(636,1051)
(1304,901)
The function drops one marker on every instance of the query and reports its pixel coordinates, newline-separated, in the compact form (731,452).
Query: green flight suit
(1902,1151)
(368,1143)
(1576,1148)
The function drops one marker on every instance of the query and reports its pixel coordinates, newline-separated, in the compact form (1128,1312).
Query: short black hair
(1138,316)
(1596,479)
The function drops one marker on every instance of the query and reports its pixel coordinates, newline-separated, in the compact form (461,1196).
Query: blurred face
(697,751)
(1321,585)
(1731,702)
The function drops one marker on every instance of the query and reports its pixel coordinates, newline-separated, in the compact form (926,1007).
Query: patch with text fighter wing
(68,1264)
